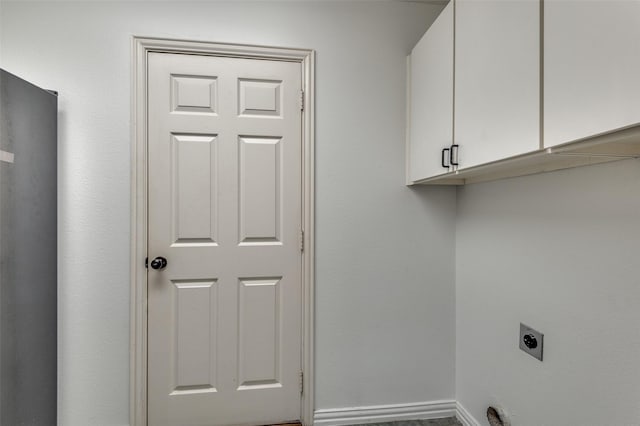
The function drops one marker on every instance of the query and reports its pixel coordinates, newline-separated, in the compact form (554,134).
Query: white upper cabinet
(591,68)
(497,79)
(431,98)
(513,107)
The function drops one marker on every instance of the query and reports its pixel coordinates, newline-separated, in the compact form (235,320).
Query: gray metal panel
(28,254)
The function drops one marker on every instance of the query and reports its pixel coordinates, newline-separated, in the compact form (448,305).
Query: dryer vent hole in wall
(496,417)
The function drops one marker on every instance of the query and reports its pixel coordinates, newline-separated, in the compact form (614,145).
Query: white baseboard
(385,413)
(464,416)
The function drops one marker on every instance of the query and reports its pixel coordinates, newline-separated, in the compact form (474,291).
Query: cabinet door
(497,78)
(431,105)
(591,68)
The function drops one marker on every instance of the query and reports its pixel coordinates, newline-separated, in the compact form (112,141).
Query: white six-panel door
(224,315)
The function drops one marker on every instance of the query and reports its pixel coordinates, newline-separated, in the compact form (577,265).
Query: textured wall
(385,290)
(558,252)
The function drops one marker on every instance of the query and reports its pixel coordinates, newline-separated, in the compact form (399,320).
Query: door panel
(196,326)
(225,210)
(260,98)
(591,68)
(431,108)
(259,333)
(260,177)
(497,77)
(194,94)
(194,188)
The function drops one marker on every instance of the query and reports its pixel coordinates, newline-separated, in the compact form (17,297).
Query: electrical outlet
(531,341)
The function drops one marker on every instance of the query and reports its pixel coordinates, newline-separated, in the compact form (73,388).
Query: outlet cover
(531,341)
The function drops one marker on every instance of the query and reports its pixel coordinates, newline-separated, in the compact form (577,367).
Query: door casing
(141,47)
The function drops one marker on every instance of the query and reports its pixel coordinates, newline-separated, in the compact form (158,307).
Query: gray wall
(385,289)
(28,254)
(560,253)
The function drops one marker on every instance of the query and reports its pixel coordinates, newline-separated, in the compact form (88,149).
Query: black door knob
(530,341)
(159,263)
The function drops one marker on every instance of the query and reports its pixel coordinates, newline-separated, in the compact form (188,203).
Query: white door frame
(142,46)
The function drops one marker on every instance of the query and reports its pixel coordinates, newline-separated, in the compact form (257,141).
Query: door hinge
(301,239)
(301,382)
(302,100)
